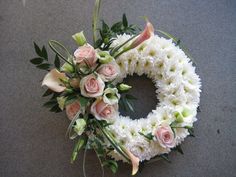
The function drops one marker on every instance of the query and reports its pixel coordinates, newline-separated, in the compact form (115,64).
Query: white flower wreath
(178,92)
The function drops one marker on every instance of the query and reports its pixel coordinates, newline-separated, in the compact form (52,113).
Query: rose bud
(104,111)
(72,109)
(109,71)
(111,96)
(85,55)
(92,86)
(165,136)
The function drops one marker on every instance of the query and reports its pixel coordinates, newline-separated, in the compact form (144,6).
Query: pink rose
(92,86)
(72,109)
(165,136)
(85,54)
(146,34)
(104,111)
(109,71)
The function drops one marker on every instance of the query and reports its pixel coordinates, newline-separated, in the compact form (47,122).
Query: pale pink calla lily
(146,34)
(53,82)
(134,160)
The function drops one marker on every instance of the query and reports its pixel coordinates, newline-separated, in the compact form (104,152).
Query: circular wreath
(178,92)
(88,86)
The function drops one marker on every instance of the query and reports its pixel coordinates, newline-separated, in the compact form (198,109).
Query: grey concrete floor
(32,139)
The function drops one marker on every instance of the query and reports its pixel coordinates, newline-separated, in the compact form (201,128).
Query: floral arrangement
(88,85)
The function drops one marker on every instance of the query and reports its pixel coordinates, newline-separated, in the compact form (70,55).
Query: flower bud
(74,82)
(104,57)
(178,117)
(111,96)
(79,126)
(79,38)
(124,87)
(186,112)
(61,102)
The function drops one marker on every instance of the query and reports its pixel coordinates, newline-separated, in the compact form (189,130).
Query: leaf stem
(95,19)
(53,43)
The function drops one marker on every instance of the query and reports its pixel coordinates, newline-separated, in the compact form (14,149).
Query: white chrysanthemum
(178,92)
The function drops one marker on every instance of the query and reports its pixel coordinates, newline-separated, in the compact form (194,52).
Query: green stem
(95,19)
(113,51)
(53,43)
(84,159)
(123,51)
(113,142)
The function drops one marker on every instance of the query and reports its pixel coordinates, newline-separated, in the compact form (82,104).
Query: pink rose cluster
(93,85)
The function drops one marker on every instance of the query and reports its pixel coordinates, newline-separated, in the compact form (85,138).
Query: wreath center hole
(144,90)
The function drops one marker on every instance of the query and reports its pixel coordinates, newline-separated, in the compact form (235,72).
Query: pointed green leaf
(44,53)
(50,103)
(57,62)
(44,66)
(36,61)
(83,101)
(37,49)
(47,93)
(125,21)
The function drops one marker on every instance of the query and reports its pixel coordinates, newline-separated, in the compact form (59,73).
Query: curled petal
(134,161)
(146,34)
(52,80)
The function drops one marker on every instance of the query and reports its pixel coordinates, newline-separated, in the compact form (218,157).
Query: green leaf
(130,97)
(47,93)
(165,157)
(57,62)
(112,165)
(44,66)
(191,132)
(149,136)
(83,101)
(44,53)
(36,61)
(50,103)
(55,109)
(37,50)
(179,149)
(70,99)
(117,27)
(78,146)
(125,21)
(129,105)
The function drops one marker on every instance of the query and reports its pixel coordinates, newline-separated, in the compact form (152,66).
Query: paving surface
(32,139)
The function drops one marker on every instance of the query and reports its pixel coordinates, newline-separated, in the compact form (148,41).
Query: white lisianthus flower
(111,96)
(79,126)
